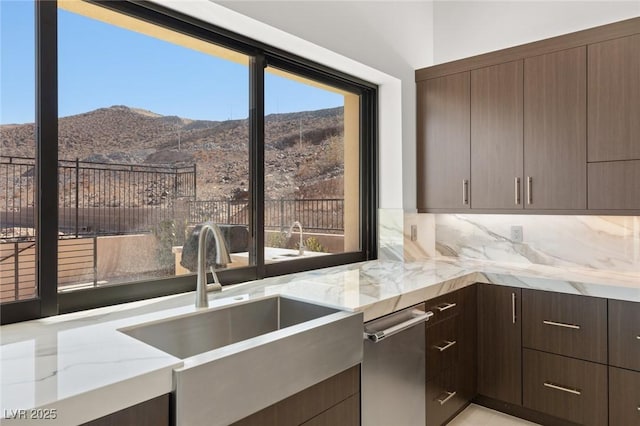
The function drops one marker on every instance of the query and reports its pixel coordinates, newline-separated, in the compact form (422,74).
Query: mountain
(303,150)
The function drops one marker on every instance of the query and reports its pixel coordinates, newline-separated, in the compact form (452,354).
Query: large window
(17,152)
(153,140)
(163,123)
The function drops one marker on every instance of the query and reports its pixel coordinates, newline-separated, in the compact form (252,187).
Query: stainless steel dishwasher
(393,369)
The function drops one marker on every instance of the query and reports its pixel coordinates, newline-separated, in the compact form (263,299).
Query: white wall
(467,28)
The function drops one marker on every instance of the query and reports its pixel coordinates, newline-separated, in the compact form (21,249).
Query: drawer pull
(448,344)
(561,324)
(445,306)
(444,400)
(562,388)
(638,337)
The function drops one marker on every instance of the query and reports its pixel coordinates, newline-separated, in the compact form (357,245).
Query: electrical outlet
(414,232)
(516,234)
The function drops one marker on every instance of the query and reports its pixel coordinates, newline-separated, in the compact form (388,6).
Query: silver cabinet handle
(465,192)
(445,306)
(517,182)
(418,317)
(448,344)
(562,388)
(561,324)
(529,187)
(513,308)
(638,337)
(444,400)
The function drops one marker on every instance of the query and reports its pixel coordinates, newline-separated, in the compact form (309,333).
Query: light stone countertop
(81,365)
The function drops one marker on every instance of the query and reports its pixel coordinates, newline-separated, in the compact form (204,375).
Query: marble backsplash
(594,242)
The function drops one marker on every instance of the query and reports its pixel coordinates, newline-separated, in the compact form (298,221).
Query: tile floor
(475,415)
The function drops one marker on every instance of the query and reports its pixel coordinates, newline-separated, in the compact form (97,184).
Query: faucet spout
(301,246)
(222,258)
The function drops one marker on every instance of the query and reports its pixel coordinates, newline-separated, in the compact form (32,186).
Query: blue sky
(101,65)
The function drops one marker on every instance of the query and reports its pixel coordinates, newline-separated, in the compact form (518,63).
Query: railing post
(16,272)
(77,192)
(228,211)
(194,181)
(175,182)
(95,261)
(282,225)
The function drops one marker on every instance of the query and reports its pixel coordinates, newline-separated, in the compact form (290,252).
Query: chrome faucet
(301,246)
(222,258)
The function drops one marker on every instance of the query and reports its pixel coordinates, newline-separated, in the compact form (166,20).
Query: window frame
(49,301)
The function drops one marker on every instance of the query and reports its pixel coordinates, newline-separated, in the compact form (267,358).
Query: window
(18,152)
(312,176)
(164,122)
(153,140)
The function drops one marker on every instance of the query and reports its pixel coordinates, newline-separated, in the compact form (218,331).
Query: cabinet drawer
(624,334)
(444,397)
(565,324)
(563,387)
(624,397)
(443,345)
(345,413)
(443,307)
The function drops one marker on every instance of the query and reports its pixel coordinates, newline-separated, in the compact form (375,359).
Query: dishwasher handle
(418,315)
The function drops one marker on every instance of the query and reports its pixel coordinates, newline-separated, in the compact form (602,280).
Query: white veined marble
(610,243)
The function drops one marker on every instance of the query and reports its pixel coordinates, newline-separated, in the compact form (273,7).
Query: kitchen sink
(193,334)
(241,358)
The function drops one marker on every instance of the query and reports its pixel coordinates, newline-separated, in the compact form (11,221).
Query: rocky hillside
(303,152)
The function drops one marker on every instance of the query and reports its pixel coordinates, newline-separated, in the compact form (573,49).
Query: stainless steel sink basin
(194,334)
(241,358)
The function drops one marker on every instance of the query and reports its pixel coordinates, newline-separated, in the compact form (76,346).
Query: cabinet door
(614,185)
(496,136)
(624,335)
(624,397)
(555,149)
(500,343)
(154,412)
(443,161)
(614,99)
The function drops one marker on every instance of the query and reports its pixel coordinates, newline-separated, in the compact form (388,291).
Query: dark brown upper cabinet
(614,99)
(555,145)
(553,126)
(443,142)
(496,136)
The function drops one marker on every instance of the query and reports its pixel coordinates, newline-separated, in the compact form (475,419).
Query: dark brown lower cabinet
(624,334)
(567,388)
(624,397)
(500,343)
(335,401)
(444,398)
(154,412)
(345,413)
(451,356)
